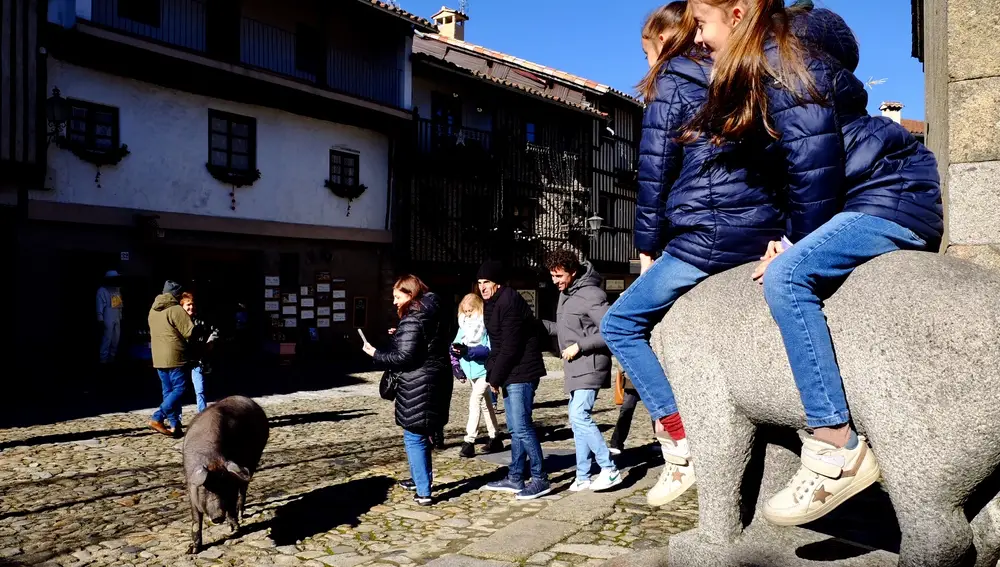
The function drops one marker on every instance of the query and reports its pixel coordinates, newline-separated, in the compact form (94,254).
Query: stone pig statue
(222,449)
(918,343)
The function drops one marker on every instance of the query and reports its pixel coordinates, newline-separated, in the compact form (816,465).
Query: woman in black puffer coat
(419,358)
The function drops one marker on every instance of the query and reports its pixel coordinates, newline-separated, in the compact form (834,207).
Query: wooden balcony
(181,23)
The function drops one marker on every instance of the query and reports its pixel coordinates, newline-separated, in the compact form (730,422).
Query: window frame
(230,119)
(342,154)
(90,125)
(138,8)
(606,210)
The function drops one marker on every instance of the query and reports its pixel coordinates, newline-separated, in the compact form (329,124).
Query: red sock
(673,426)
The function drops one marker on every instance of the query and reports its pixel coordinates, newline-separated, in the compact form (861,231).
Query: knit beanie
(493,271)
(173,288)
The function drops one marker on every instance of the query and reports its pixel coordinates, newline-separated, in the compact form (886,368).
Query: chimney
(451,23)
(892,110)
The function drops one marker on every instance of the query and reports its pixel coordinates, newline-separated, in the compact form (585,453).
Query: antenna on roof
(463,6)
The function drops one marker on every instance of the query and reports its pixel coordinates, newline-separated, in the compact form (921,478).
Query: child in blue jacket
(857,187)
(698,206)
(469,352)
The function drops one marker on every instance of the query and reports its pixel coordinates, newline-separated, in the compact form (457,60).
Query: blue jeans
(172,382)
(518,400)
(797,282)
(629,323)
(586,435)
(198,381)
(418,453)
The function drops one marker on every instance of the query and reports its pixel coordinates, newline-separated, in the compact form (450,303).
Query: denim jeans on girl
(518,400)
(586,435)
(198,381)
(629,323)
(418,454)
(172,382)
(796,283)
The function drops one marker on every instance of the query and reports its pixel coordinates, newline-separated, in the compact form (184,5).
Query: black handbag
(387,385)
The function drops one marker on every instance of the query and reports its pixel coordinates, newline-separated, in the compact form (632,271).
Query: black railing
(176,22)
(477,194)
(373,76)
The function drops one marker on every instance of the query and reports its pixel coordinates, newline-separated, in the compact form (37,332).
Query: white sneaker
(609,478)
(579,485)
(615,451)
(678,473)
(828,477)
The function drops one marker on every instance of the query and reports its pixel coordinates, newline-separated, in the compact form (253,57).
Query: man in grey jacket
(582,305)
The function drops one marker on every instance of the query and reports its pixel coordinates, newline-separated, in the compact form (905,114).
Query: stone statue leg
(986,531)
(721,444)
(933,532)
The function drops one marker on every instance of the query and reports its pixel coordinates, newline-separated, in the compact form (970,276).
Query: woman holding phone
(418,355)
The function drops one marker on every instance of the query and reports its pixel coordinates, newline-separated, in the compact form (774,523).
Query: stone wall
(962,65)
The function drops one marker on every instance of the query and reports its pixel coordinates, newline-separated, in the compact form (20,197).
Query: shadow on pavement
(51,396)
(317,417)
(326,508)
(75,436)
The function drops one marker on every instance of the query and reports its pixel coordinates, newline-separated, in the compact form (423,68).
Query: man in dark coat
(582,305)
(515,367)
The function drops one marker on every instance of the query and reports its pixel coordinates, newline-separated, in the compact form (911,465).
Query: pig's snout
(218,520)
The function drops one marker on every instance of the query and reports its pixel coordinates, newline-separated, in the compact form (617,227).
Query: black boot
(468,450)
(494,446)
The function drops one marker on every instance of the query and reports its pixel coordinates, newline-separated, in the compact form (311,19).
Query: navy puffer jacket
(839,158)
(696,201)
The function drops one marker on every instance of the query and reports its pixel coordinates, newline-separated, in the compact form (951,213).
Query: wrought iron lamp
(594,225)
(57,112)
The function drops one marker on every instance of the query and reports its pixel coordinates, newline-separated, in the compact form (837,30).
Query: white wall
(166,131)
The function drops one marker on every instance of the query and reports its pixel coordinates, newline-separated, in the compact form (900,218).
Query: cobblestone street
(108,491)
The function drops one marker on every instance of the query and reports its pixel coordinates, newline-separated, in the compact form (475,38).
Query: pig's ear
(238,471)
(199,476)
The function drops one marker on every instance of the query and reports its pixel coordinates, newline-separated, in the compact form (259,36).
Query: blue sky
(599,39)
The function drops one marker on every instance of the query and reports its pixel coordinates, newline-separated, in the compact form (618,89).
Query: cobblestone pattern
(108,491)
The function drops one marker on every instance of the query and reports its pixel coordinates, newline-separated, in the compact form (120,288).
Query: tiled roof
(508,84)
(423,23)
(531,66)
(914,126)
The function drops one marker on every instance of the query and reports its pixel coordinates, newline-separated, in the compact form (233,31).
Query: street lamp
(594,225)
(57,113)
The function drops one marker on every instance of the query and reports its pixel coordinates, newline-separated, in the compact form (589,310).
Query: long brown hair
(414,287)
(677,26)
(737,96)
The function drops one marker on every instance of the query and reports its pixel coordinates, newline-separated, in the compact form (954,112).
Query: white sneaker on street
(609,478)
(579,485)
(828,477)
(678,473)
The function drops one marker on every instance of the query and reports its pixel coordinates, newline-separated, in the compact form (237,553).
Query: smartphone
(364,339)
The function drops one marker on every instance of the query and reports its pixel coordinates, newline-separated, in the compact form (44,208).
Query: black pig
(222,449)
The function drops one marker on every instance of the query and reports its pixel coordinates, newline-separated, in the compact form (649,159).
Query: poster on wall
(339,305)
(291,322)
(322,288)
(307,302)
(270,293)
(323,277)
(289,310)
(272,281)
(323,322)
(271,306)
(340,294)
(289,298)
(322,311)
(308,314)
(306,290)
(340,317)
